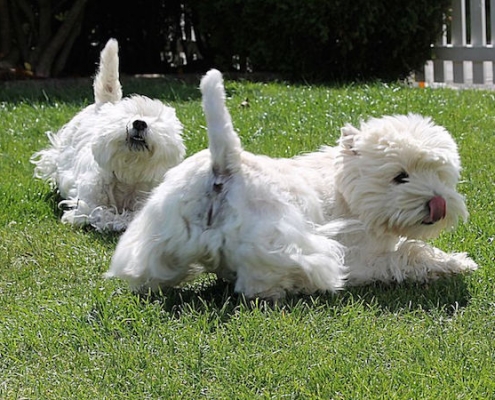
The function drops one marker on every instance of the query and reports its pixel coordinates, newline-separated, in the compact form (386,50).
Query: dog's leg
(76,212)
(413,260)
(160,248)
(287,258)
(109,190)
(154,264)
(109,219)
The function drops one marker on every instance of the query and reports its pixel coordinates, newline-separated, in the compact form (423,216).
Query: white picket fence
(465,55)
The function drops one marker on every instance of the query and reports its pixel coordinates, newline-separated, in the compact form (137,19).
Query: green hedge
(318,39)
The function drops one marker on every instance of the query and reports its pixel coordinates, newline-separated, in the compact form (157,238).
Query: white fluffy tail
(107,87)
(224,144)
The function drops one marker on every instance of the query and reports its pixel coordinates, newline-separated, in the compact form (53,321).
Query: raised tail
(107,87)
(224,144)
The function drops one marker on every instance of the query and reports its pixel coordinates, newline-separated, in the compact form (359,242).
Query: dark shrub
(321,39)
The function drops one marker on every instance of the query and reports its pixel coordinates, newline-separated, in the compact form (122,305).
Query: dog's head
(138,139)
(398,174)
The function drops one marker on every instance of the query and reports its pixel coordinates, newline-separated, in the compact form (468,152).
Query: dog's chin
(412,225)
(137,145)
(137,141)
(423,229)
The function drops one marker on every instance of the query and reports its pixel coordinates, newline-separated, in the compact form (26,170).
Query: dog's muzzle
(437,207)
(136,136)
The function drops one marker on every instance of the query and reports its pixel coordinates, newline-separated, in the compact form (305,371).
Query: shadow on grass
(80,90)
(447,294)
(169,88)
(207,296)
(53,198)
(214,296)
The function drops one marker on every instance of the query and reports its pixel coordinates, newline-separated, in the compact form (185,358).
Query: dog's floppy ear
(347,137)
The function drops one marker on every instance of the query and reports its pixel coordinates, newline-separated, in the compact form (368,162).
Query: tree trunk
(61,60)
(44,67)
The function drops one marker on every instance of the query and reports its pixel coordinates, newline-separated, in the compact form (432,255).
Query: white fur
(270,223)
(388,246)
(101,172)
(242,216)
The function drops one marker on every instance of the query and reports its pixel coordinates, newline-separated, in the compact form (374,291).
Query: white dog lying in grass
(397,175)
(106,160)
(267,222)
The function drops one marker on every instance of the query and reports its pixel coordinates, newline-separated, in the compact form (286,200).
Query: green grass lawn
(66,333)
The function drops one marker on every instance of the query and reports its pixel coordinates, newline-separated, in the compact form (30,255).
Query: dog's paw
(109,219)
(460,262)
(452,264)
(76,212)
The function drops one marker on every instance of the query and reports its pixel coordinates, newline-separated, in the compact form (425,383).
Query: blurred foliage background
(330,40)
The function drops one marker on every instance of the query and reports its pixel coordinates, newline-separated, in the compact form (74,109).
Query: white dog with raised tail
(106,160)
(245,217)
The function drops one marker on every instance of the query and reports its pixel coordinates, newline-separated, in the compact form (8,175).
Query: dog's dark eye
(403,177)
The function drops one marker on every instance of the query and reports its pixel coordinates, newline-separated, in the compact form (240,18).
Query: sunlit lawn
(67,333)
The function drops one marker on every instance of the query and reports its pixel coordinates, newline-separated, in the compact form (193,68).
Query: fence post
(459,36)
(478,36)
(439,64)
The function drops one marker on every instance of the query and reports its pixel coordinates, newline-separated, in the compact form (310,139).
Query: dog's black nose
(139,125)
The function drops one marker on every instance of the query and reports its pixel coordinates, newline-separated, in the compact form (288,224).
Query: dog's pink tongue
(437,206)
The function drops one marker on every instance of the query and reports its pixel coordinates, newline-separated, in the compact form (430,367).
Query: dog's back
(107,87)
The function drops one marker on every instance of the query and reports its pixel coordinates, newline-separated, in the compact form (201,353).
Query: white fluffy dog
(242,216)
(397,175)
(106,160)
(271,223)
